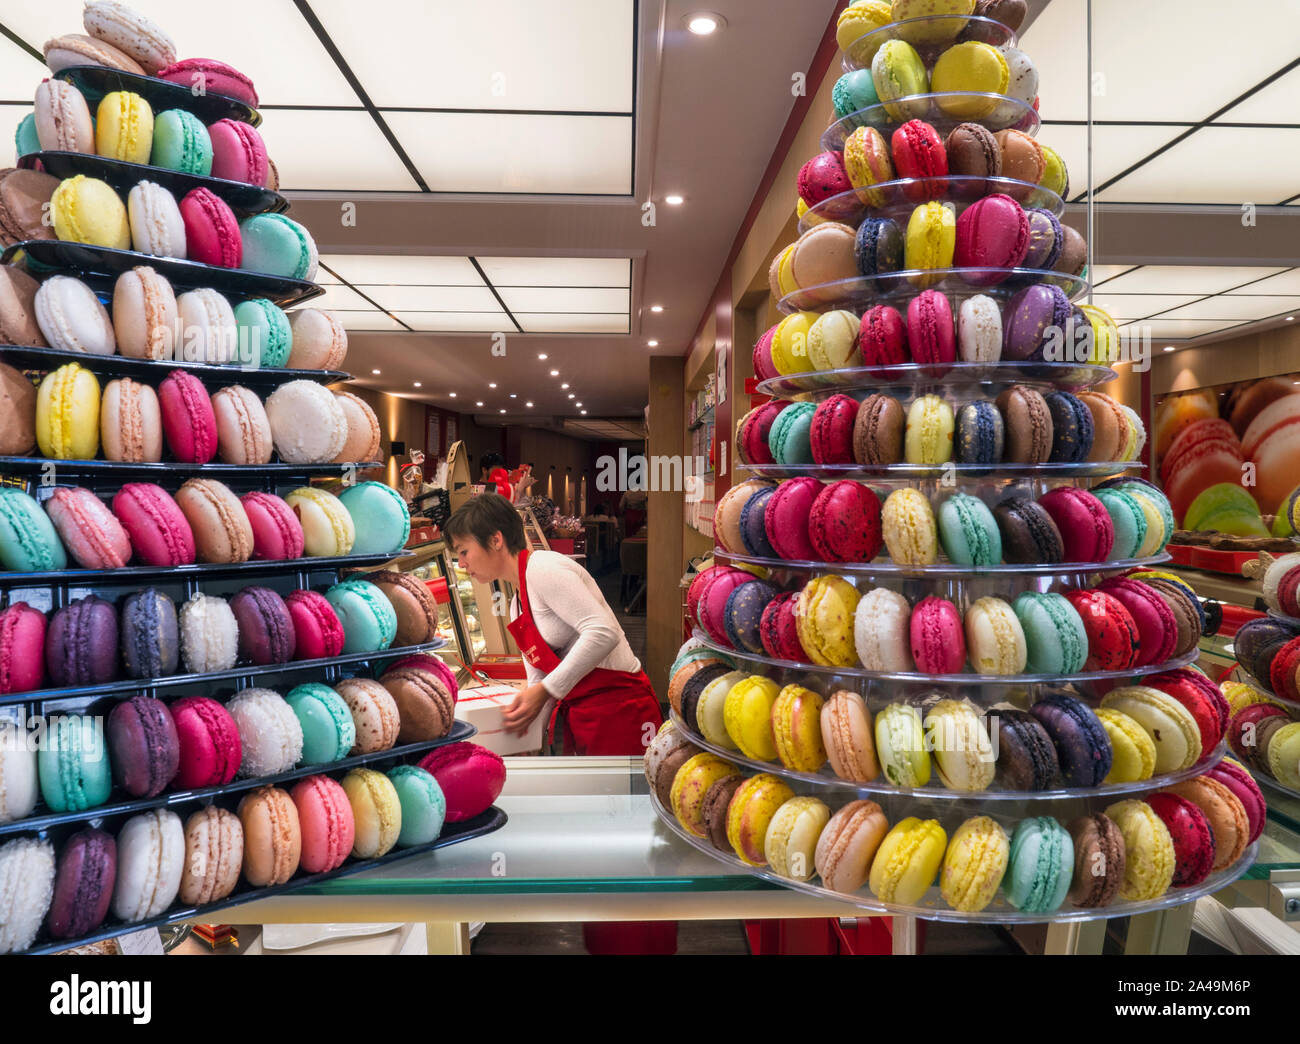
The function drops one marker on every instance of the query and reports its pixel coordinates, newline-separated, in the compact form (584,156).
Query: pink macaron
(882,339)
(764,368)
(238,152)
(213,76)
(277,533)
(211,229)
(931,334)
(844,523)
(779,631)
(326,822)
(1157,627)
(937,638)
(755,428)
(88,529)
(832,430)
(189,422)
(713,602)
(786,519)
(1086,527)
(992,232)
(317,630)
(159,531)
(22,648)
(471,778)
(209,743)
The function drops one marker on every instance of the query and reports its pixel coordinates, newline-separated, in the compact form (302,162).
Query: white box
(483,707)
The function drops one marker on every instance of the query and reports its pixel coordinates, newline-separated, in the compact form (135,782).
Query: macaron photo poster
(1228,456)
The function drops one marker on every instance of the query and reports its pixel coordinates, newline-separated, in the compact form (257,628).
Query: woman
(573,648)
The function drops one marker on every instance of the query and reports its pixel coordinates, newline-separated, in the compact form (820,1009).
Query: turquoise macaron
(72,764)
(969,532)
(28,541)
(369,621)
(328,730)
(265,336)
(424,808)
(26,139)
(853,92)
(1054,633)
(379,515)
(181,142)
(1040,865)
(278,246)
(1129,520)
(790,439)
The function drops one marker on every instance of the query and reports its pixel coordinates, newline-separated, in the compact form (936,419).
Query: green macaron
(328,731)
(379,515)
(181,142)
(28,541)
(1054,633)
(277,245)
(25,138)
(969,532)
(73,764)
(424,808)
(265,335)
(1040,866)
(790,439)
(369,622)
(1128,519)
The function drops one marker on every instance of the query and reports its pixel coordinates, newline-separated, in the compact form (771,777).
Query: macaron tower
(221,722)
(963,683)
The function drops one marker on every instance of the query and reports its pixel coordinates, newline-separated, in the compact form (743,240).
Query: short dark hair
(492,460)
(484,515)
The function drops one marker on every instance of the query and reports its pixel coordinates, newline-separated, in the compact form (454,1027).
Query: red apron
(608,712)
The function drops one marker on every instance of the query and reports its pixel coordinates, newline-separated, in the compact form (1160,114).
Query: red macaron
(919,152)
(938,640)
(882,339)
(1086,527)
(1112,632)
(764,368)
(931,334)
(1282,672)
(786,519)
(844,523)
(1193,839)
(832,430)
(1201,697)
(778,631)
(755,427)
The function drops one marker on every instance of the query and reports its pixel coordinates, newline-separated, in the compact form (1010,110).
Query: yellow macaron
(790,343)
(1149,858)
(376,811)
(909,528)
(747,716)
(791,841)
(931,240)
(797,728)
(67,414)
(823,615)
(907,861)
(124,127)
(87,210)
(1133,752)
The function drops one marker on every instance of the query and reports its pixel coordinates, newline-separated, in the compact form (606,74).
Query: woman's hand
(525,708)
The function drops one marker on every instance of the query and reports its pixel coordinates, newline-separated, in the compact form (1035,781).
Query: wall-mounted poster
(1228,457)
(435,434)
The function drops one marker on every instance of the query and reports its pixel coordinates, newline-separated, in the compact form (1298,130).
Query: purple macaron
(81,643)
(150,640)
(753,530)
(1082,747)
(143,747)
(1045,239)
(1029,316)
(266,632)
(744,614)
(83,885)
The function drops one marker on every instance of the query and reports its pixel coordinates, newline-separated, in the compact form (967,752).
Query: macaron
(968,532)
(1026,756)
(878,431)
(979,436)
(1028,532)
(974,864)
(908,861)
(1082,746)
(844,523)
(848,845)
(881,631)
(901,746)
(1171,726)
(1041,865)
(779,631)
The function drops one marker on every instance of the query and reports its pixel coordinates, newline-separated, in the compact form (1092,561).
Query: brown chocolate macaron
(714,810)
(23,195)
(414,604)
(973,151)
(1022,159)
(684,673)
(18,308)
(1186,616)
(1098,861)
(668,751)
(17,413)
(1028,425)
(426,708)
(878,431)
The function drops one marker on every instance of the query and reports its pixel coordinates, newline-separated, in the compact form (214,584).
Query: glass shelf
(906,379)
(28,357)
(1089,469)
(898,288)
(943,570)
(897,198)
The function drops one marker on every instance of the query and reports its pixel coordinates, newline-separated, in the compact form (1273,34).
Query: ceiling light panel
(1126,307)
(1098,274)
(458,322)
(340,298)
(1180,329)
(557,271)
(423,269)
(20,73)
(304,144)
(432,298)
(1184,279)
(571,322)
(585,155)
(1272,104)
(1241,309)
(569,55)
(1113,149)
(1283,283)
(1263,169)
(561,299)
(370,321)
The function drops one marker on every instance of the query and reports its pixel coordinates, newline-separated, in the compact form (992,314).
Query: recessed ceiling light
(375,372)
(492,384)
(674,200)
(584,413)
(555,373)
(478,404)
(1290,318)
(578,404)
(503,411)
(543,356)
(565,385)
(1169,348)
(572,396)
(513,395)
(656,308)
(419,384)
(529,405)
(653,344)
(704,23)
(452,394)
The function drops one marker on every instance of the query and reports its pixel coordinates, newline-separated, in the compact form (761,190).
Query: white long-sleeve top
(575,620)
